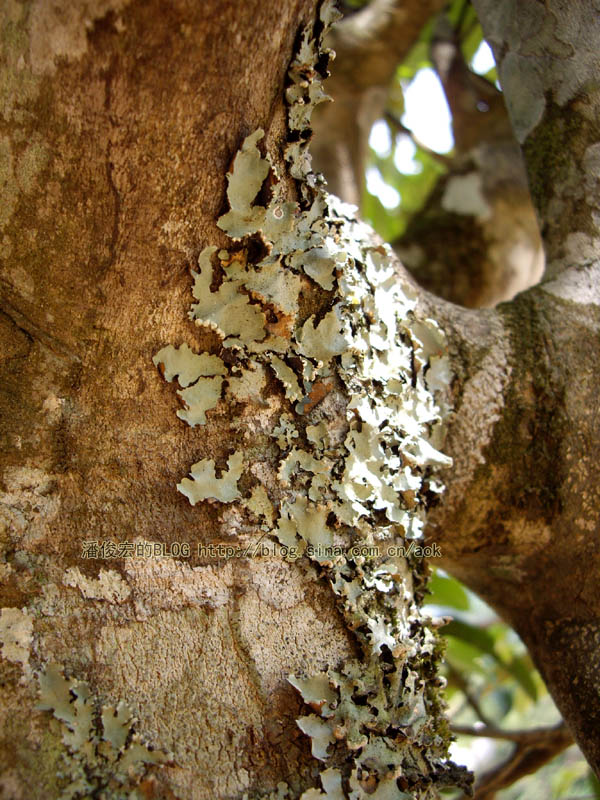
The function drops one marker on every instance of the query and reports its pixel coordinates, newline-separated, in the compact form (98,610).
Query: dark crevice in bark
(33,332)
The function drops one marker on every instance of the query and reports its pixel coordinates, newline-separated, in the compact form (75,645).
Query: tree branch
(473,701)
(523,435)
(368,46)
(548,63)
(528,757)
(535,736)
(476,241)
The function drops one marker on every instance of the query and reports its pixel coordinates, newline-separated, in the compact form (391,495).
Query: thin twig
(395,123)
(527,757)
(462,684)
(534,735)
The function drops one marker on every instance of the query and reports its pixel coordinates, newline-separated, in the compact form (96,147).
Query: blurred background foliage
(417,128)
(491,681)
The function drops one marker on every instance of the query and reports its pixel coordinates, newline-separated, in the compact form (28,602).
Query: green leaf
(446,591)
(464,657)
(484,641)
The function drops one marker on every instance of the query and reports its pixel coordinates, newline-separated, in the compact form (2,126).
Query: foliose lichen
(350,492)
(104,757)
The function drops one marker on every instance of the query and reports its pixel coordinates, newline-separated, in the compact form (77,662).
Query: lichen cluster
(349,490)
(105,758)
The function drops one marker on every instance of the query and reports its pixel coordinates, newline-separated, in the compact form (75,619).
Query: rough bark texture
(121,122)
(520,521)
(119,128)
(117,133)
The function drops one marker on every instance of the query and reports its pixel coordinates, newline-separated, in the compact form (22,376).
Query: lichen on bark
(352,495)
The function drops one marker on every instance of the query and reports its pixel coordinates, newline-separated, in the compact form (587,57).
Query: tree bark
(520,521)
(120,123)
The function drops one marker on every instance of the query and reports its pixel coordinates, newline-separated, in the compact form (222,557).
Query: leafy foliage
(492,681)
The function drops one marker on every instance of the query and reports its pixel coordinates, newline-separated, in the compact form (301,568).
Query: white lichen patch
(204,483)
(331,781)
(16,634)
(463,194)
(103,751)
(310,522)
(108,586)
(320,263)
(247,386)
(199,399)
(167,583)
(187,365)
(360,383)
(60,29)
(315,691)
(320,734)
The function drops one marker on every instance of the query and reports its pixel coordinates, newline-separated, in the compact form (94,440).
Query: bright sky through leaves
(427,114)
(483,60)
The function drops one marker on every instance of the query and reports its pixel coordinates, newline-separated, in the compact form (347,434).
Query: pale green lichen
(187,365)
(205,484)
(331,781)
(274,286)
(310,521)
(322,341)
(260,505)
(202,371)
(227,311)
(285,432)
(287,376)
(320,734)
(104,756)
(199,399)
(346,480)
(244,182)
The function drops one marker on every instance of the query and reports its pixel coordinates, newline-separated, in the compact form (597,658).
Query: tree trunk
(120,124)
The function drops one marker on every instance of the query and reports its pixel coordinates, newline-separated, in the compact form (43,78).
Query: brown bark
(118,131)
(109,211)
(519,523)
(117,137)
